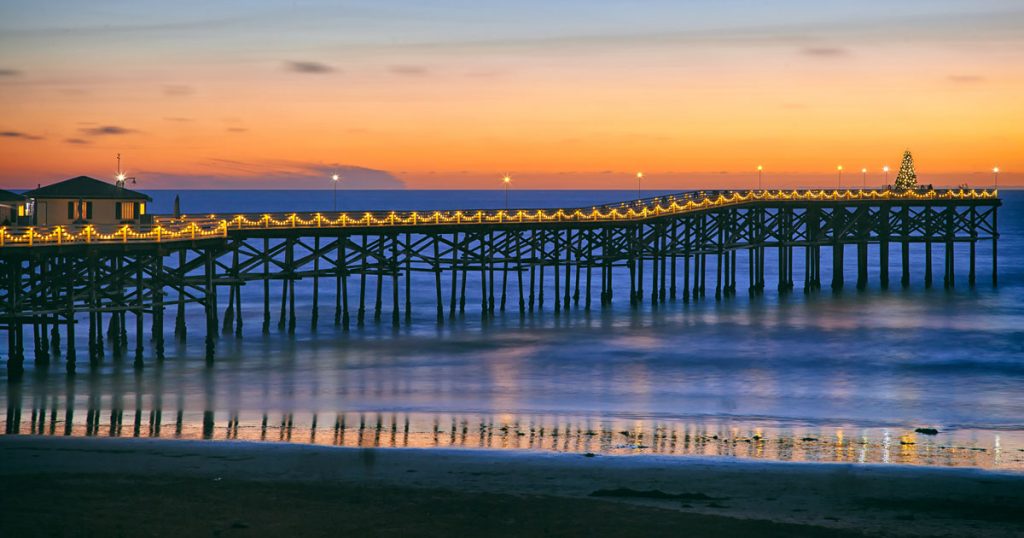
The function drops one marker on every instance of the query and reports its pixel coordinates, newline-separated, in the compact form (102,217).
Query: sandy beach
(128,487)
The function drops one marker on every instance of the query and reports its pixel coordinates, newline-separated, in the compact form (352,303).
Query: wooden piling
(156,291)
(378,304)
(395,314)
(407,254)
(905,230)
(556,255)
(210,304)
(364,255)
(995,247)
(315,311)
(266,286)
(484,261)
(455,274)
(519,272)
(568,269)
(139,310)
(437,280)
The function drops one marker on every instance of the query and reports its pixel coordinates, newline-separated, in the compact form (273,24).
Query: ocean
(853,376)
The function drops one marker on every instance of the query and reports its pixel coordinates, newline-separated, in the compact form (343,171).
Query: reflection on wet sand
(576,434)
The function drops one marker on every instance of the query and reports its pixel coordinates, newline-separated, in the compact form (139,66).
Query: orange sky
(560,97)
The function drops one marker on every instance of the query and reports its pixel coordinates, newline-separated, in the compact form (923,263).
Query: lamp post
(995,173)
(335,179)
(864,178)
(639,176)
(759,170)
(840,168)
(886,170)
(506,180)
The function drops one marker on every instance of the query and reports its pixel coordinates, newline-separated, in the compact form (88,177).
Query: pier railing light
(188,228)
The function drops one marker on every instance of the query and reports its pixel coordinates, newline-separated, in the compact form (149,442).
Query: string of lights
(186,228)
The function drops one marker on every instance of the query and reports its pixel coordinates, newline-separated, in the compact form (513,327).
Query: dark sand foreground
(130,487)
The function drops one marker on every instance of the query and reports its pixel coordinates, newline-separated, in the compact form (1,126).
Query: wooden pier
(508,260)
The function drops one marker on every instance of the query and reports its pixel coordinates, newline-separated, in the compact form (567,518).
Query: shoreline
(813,497)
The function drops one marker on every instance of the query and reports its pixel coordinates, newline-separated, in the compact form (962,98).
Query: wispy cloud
(237,129)
(19,134)
(314,68)
(106,130)
(824,52)
(178,119)
(409,70)
(178,90)
(9,72)
(76,141)
(966,79)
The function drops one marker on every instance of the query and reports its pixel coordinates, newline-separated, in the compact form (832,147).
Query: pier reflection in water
(559,434)
(155,415)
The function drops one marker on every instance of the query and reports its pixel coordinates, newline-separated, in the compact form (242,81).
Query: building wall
(55,212)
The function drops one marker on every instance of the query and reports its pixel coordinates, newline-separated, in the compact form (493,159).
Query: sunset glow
(281,95)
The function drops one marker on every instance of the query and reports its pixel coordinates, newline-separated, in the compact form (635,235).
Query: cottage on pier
(12,205)
(85,200)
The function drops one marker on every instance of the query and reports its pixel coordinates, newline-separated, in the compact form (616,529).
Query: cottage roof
(8,196)
(86,187)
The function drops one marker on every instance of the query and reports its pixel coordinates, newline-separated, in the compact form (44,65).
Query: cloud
(177,119)
(358,176)
(483,74)
(105,130)
(824,52)
(237,130)
(281,174)
(315,68)
(9,72)
(409,70)
(76,141)
(19,134)
(966,79)
(178,90)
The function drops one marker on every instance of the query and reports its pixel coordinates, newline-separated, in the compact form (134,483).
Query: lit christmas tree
(907,178)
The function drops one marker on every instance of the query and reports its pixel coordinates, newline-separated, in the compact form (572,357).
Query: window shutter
(117,210)
(88,210)
(71,210)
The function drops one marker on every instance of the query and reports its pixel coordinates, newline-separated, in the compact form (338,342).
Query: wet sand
(128,487)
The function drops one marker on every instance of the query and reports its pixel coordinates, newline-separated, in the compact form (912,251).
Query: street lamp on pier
(864,178)
(506,180)
(759,170)
(886,170)
(639,176)
(995,173)
(335,179)
(840,169)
